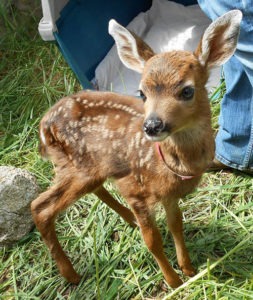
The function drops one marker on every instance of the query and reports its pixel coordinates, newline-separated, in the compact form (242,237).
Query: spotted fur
(92,136)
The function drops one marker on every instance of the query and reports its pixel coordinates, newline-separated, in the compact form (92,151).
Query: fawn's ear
(219,40)
(132,51)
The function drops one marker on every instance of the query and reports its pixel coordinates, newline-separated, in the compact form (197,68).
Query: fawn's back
(100,135)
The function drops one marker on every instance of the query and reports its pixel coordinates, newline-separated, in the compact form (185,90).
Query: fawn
(155,152)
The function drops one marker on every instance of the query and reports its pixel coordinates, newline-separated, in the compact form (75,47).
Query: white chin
(158,138)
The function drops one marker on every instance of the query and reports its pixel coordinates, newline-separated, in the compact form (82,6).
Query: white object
(165,27)
(51,12)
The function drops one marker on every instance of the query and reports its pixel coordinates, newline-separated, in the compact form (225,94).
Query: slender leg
(45,209)
(175,224)
(123,211)
(153,240)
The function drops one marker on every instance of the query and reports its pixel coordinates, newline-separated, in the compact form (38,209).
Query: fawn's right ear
(219,40)
(132,51)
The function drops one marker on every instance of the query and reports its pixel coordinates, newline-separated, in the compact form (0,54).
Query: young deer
(156,152)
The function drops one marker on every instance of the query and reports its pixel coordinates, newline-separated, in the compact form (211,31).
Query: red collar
(183,177)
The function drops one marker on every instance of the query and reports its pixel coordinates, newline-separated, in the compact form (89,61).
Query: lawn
(218,216)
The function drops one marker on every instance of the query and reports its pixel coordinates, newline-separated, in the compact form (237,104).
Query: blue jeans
(234,141)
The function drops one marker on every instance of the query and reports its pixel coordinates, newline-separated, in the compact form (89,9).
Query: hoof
(175,283)
(189,271)
(74,279)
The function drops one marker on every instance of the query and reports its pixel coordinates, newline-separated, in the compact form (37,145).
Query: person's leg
(234,141)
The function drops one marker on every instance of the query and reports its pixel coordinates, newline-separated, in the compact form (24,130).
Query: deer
(155,147)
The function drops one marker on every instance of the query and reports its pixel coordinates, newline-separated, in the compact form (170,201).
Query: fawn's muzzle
(155,129)
(153,125)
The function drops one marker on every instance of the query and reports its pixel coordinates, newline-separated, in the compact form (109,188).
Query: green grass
(218,216)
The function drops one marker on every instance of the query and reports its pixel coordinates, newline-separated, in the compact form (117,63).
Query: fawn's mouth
(158,137)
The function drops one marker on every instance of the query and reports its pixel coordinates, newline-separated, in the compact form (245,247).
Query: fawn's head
(173,83)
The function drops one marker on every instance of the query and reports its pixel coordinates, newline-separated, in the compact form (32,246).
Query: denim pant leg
(234,141)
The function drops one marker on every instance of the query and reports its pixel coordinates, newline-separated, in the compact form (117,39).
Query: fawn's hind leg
(45,209)
(123,211)
(175,224)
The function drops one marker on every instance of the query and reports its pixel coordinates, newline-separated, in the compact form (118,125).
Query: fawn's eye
(187,93)
(143,97)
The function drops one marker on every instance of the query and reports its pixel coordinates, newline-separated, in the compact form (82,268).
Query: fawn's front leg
(153,240)
(175,224)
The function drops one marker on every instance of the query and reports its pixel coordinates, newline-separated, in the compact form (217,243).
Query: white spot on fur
(69,103)
(76,136)
(105,133)
(130,147)
(42,136)
(148,166)
(149,155)
(59,136)
(72,140)
(141,162)
(121,130)
(116,144)
(137,139)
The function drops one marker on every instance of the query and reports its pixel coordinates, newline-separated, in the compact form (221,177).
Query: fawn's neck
(189,151)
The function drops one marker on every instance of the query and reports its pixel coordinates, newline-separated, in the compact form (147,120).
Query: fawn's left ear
(133,52)
(219,41)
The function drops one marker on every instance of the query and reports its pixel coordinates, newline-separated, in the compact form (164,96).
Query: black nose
(153,125)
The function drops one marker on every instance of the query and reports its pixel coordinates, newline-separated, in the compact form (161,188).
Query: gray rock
(18,188)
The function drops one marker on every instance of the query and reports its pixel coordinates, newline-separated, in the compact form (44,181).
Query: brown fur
(89,141)
(92,136)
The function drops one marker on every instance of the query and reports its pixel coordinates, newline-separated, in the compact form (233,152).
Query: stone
(18,188)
